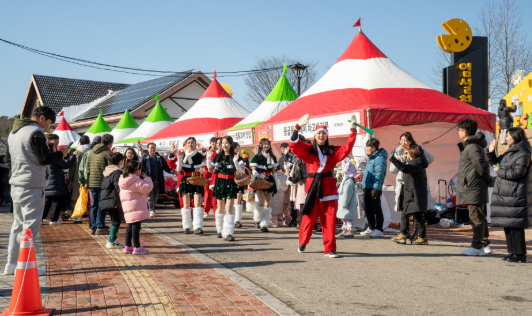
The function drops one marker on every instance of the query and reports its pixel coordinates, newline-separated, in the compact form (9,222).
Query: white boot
(229,228)
(219,223)
(197,221)
(238,215)
(257,215)
(186,220)
(265,219)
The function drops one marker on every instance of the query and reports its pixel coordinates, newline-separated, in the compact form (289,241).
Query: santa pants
(209,201)
(327,212)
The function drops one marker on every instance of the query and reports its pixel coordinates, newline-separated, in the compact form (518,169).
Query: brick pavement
(85,278)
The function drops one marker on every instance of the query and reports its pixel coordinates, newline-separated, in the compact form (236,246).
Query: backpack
(300,171)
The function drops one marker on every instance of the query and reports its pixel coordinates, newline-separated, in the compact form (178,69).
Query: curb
(274,303)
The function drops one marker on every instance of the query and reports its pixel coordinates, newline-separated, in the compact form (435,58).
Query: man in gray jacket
(29,157)
(473,179)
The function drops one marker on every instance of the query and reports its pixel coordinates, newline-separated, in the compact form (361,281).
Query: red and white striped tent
(215,111)
(365,82)
(66,133)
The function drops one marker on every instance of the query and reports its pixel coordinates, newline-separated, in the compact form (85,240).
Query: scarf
(269,159)
(189,155)
(349,173)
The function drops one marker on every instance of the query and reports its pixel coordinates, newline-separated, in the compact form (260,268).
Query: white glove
(353,120)
(209,161)
(179,163)
(237,165)
(302,121)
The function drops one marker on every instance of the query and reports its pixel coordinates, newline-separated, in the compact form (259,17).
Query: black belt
(316,190)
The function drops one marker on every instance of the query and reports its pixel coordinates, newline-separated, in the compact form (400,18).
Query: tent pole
(368,121)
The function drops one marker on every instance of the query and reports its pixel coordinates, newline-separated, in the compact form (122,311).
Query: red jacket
(322,164)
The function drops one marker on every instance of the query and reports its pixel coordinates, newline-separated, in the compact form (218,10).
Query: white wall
(192,91)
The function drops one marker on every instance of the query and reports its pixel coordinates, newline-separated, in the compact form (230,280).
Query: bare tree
(6,124)
(260,84)
(511,41)
(442,60)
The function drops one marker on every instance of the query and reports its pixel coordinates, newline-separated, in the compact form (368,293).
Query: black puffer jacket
(110,197)
(473,171)
(4,178)
(505,118)
(57,182)
(511,203)
(415,187)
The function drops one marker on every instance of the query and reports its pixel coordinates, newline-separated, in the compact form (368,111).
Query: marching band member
(189,162)
(322,195)
(225,189)
(264,165)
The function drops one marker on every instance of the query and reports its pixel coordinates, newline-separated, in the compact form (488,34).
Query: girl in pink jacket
(134,188)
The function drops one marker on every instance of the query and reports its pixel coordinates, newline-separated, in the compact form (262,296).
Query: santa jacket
(321,164)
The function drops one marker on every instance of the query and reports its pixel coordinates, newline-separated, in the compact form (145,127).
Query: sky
(207,35)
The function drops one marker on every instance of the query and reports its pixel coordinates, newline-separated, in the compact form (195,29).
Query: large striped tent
(66,133)
(215,111)
(156,121)
(365,82)
(125,127)
(98,128)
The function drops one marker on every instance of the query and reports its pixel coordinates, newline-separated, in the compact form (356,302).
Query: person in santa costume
(216,145)
(243,161)
(322,195)
(189,163)
(264,165)
(225,190)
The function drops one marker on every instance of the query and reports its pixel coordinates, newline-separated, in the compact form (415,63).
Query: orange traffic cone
(26,296)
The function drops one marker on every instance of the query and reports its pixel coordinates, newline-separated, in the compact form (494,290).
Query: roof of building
(58,93)
(135,95)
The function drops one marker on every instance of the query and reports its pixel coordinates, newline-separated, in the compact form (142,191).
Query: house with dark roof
(178,92)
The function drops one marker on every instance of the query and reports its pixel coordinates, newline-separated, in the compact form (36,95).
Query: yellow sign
(521,97)
(227,89)
(466,82)
(459,36)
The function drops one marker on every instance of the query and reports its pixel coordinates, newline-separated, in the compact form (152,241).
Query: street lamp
(298,68)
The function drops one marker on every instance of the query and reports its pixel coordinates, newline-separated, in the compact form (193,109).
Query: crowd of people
(298,189)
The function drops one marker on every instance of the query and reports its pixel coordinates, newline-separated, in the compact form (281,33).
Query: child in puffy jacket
(110,197)
(134,188)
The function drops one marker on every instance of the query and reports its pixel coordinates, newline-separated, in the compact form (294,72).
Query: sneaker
(229,238)
(219,235)
(505,258)
(102,231)
(344,231)
(114,245)
(473,252)
(331,254)
(128,250)
(399,237)
(238,225)
(187,230)
(257,225)
(264,229)
(93,231)
(205,215)
(198,232)
(140,251)
(292,223)
(56,223)
(421,241)
(517,258)
(10,268)
(367,232)
(487,249)
(301,248)
(376,233)
(152,215)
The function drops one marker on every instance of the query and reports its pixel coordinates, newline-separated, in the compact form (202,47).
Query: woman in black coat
(415,197)
(511,203)
(57,190)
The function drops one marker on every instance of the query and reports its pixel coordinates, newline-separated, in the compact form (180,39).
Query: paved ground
(259,272)
(372,276)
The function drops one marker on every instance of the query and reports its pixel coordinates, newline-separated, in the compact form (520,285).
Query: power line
(83,62)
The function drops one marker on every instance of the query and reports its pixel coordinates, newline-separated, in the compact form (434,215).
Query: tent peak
(361,48)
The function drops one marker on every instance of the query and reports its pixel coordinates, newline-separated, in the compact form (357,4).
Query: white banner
(164,144)
(244,137)
(337,125)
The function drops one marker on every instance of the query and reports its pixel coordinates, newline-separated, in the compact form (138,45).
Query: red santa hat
(321,128)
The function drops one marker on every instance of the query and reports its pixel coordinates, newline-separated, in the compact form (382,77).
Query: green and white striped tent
(98,128)
(281,95)
(156,121)
(125,127)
